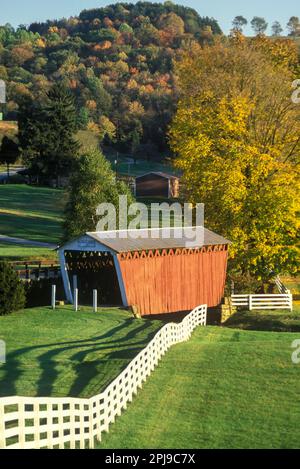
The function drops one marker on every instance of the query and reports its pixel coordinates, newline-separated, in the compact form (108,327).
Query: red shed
(155,274)
(157,185)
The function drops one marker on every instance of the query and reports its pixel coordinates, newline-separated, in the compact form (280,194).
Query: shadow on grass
(283,321)
(126,348)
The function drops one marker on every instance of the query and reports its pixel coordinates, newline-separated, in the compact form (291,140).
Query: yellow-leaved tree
(236,137)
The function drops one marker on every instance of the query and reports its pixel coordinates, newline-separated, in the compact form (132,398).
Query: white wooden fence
(283,301)
(28,423)
(281,288)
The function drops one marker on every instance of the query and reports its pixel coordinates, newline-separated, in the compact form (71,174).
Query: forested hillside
(118,62)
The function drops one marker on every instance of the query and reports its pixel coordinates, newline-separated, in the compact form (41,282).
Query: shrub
(243,284)
(38,292)
(12,293)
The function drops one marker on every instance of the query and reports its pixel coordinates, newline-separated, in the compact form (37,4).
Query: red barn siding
(166,283)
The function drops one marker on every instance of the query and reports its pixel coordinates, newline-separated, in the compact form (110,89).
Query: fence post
(95,301)
(2,426)
(76,299)
(53,297)
(291,301)
(250,302)
(75,282)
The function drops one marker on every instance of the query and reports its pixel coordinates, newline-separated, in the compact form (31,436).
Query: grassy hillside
(223,389)
(64,353)
(33,213)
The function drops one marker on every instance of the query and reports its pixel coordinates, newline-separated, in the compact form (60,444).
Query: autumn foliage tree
(236,135)
(99,55)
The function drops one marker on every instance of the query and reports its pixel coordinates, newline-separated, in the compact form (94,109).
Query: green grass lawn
(33,213)
(265,320)
(36,201)
(142,167)
(64,353)
(223,389)
(17,252)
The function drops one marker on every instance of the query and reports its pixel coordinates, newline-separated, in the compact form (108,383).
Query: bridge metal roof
(157,238)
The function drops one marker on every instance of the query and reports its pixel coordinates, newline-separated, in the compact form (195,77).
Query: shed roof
(159,173)
(143,240)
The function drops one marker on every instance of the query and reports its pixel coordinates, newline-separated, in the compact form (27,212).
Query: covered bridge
(137,268)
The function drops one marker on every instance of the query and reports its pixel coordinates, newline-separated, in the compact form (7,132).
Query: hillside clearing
(33,213)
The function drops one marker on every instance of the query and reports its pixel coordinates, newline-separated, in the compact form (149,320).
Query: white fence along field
(28,423)
(270,301)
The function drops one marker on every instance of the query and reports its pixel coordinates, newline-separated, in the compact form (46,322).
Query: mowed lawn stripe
(32,199)
(223,389)
(62,353)
(18,213)
(33,213)
(19,252)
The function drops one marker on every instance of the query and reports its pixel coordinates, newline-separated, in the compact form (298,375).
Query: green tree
(9,153)
(276,29)
(125,28)
(239,23)
(83,118)
(93,182)
(12,292)
(171,23)
(135,142)
(259,25)
(294,26)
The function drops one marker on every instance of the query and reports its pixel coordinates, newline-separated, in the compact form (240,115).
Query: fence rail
(281,288)
(34,423)
(282,301)
(36,270)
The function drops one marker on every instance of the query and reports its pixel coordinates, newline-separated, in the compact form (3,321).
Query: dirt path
(26,242)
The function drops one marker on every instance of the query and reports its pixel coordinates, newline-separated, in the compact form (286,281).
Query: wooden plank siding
(174,280)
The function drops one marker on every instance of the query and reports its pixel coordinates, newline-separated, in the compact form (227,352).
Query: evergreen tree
(46,134)
(61,120)
(12,293)
(9,153)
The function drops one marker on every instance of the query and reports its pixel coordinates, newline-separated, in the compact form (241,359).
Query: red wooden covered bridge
(137,268)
